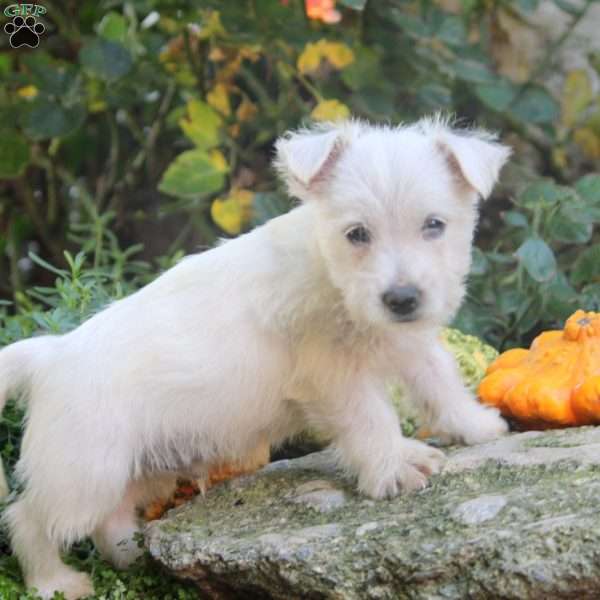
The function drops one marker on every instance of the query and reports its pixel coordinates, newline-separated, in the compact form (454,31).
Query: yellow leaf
(184,76)
(330,110)
(218,160)
(211,25)
(227,214)
(28,92)
(218,98)
(310,59)
(201,125)
(230,69)
(168,25)
(246,110)
(559,157)
(234,211)
(216,54)
(338,54)
(97,106)
(251,53)
(576,97)
(245,199)
(588,141)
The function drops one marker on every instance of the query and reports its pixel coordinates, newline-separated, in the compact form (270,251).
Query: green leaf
(510,300)
(537,259)
(588,187)
(527,6)
(589,299)
(364,71)
(586,268)
(536,105)
(479,262)
(515,219)
(543,193)
(202,124)
(529,314)
(267,206)
(497,95)
(5,65)
(55,78)
(105,59)
(560,288)
(192,174)
(410,24)
(563,229)
(113,27)
(569,7)
(580,211)
(46,265)
(49,119)
(354,4)
(452,31)
(472,70)
(14,154)
(500,258)
(435,96)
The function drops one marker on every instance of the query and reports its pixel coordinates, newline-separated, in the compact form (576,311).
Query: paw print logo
(24,32)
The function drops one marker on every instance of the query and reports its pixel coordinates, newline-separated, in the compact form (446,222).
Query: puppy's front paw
(477,425)
(405,470)
(486,426)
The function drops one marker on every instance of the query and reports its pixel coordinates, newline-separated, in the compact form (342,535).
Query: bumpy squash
(553,384)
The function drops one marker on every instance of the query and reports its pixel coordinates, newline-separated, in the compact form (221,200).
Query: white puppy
(300,322)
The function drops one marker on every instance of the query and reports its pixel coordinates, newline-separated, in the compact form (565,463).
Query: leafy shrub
(540,267)
(160,113)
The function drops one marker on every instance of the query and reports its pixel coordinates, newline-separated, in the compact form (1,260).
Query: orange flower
(323,10)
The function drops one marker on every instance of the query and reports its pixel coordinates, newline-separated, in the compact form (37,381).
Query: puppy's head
(395,211)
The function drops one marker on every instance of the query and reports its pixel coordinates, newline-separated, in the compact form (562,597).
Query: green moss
(569,438)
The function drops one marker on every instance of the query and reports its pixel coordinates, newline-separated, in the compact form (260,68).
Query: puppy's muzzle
(402,301)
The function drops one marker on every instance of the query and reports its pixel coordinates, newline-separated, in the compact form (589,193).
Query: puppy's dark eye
(433,228)
(358,234)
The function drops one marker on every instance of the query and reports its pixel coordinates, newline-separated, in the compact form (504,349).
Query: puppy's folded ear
(474,157)
(305,158)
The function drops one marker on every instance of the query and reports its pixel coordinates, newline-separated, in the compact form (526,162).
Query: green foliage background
(139,130)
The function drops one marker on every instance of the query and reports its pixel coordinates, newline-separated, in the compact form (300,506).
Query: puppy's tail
(17,363)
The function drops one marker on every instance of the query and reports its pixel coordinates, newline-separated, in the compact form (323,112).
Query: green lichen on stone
(497,523)
(558,439)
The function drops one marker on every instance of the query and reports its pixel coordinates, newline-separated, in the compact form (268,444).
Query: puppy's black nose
(402,300)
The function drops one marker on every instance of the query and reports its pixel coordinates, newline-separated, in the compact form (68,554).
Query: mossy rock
(513,519)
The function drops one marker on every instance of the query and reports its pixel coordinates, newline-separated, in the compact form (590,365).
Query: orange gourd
(555,383)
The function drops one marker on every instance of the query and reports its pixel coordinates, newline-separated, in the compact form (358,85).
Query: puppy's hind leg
(39,555)
(70,487)
(116,536)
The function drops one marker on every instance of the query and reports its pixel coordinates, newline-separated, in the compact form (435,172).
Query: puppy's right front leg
(369,442)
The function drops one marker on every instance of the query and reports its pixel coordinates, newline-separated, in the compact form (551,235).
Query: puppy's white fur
(254,340)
